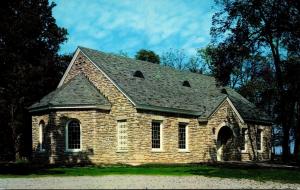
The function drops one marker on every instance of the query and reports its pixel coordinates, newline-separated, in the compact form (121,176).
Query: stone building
(113,109)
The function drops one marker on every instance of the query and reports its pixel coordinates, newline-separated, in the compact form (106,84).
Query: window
(182,136)
(243,139)
(73,136)
(122,135)
(156,135)
(138,74)
(186,83)
(259,139)
(42,136)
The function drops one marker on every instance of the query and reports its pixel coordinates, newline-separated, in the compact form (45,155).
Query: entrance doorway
(224,139)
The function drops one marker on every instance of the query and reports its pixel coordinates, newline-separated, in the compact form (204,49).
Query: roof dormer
(186,83)
(138,74)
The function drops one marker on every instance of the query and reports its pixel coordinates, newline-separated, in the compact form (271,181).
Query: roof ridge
(162,87)
(147,62)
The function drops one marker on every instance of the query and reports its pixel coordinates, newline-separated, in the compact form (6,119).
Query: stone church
(112,109)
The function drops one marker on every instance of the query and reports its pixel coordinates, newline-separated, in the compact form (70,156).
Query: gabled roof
(248,111)
(162,88)
(79,92)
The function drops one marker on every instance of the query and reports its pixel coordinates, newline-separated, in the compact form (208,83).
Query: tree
(174,58)
(256,28)
(195,65)
(222,62)
(123,53)
(62,62)
(147,55)
(178,59)
(293,93)
(29,42)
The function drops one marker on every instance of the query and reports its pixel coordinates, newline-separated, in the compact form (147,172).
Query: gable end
(232,107)
(71,64)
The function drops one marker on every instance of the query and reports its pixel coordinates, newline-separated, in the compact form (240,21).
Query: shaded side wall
(55,123)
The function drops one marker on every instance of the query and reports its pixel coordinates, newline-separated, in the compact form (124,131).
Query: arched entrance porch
(224,140)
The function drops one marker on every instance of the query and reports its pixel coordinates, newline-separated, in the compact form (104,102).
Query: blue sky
(130,25)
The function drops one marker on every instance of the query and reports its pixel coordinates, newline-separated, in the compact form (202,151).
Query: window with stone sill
(182,136)
(73,136)
(156,135)
(122,136)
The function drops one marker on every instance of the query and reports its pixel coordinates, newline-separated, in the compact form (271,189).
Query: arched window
(138,74)
(186,83)
(73,136)
(42,136)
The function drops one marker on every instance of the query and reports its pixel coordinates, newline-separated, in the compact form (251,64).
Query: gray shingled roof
(247,110)
(79,92)
(161,88)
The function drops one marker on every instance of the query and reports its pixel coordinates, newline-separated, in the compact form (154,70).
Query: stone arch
(224,138)
(225,133)
(222,125)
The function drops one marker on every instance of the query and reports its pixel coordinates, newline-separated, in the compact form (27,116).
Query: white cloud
(135,23)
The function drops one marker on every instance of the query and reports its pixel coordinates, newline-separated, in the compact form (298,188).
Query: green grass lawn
(260,174)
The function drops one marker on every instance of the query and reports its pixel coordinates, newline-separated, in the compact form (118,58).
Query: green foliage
(243,31)
(29,42)
(223,61)
(147,55)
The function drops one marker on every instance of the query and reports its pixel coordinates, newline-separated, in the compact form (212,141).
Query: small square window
(122,136)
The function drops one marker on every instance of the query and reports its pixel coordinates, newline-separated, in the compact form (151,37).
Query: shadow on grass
(26,169)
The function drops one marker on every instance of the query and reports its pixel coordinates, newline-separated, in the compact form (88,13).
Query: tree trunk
(285,144)
(297,135)
(283,115)
(15,135)
(272,145)
(297,145)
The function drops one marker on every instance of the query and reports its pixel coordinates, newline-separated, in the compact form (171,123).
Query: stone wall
(55,140)
(226,116)
(99,130)
(198,143)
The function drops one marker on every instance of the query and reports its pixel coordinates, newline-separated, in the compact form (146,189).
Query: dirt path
(137,182)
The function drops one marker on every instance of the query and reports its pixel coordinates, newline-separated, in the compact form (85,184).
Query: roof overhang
(262,122)
(231,105)
(243,120)
(69,107)
(167,110)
